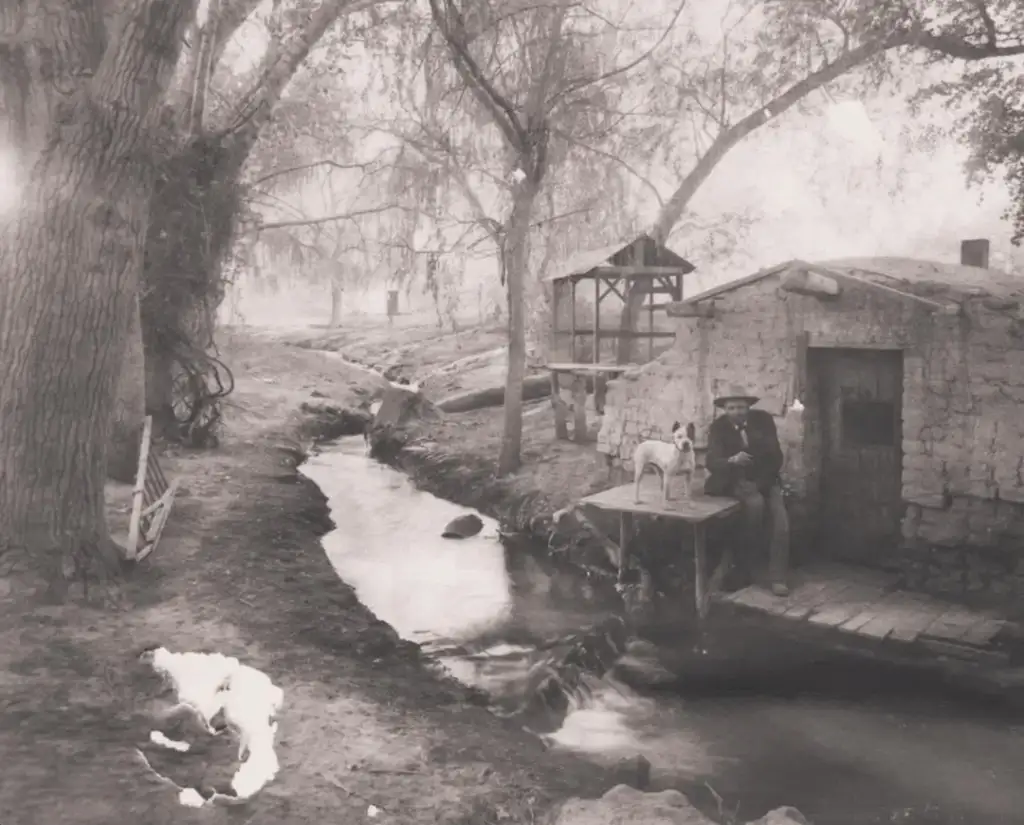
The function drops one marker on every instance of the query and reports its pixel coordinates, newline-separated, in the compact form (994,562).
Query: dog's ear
(691,431)
(675,426)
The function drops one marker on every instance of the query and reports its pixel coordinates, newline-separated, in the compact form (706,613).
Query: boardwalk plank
(952,624)
(982,632)
(809,595)
(760,599)
(853,601)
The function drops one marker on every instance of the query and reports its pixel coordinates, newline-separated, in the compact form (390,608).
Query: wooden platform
(567,366)
(695,510)
(868,605)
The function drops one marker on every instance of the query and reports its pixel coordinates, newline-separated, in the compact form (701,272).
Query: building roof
(614,255)
(923,279)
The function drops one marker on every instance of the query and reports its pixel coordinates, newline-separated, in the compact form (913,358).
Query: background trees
(514,130)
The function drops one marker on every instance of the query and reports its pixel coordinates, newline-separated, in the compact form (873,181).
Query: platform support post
(561,424)
(625,536)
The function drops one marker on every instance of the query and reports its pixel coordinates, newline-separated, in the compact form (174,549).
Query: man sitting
(743,461)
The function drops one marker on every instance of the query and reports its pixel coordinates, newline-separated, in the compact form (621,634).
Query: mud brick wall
(963,432)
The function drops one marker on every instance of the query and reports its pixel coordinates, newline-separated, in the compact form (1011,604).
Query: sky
(839,182)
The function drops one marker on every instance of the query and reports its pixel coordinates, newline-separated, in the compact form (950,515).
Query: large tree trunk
(515,254)
(69,265)
(129,405)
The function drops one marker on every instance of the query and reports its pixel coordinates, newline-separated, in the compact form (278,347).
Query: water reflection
(846,742)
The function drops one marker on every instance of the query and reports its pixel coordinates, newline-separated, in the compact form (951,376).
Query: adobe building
(897,387)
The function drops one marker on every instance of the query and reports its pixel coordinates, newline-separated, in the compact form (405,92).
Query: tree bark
(70,263)
(129,405)
(515,253)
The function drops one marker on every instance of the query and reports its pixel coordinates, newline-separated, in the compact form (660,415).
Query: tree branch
(729,137)
(615,159)
(278,71)
(483,90)
(582,83)
(344,216)
(302,167)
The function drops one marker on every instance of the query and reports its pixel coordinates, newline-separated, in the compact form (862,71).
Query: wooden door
(860,396)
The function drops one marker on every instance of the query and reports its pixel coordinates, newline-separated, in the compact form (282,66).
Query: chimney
(974,252)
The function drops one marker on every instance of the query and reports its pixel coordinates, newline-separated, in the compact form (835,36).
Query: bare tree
(732,90)
(534,72)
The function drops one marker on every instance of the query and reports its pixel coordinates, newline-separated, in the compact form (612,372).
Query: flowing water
(847,742)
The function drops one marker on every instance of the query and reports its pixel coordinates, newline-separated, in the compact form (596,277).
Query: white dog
(668,459)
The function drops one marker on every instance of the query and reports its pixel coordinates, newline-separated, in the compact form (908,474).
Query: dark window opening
(869,424)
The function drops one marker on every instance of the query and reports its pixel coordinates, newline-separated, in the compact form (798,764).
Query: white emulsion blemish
(211,683)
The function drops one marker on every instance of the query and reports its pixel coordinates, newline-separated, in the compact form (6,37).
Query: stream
(847,742)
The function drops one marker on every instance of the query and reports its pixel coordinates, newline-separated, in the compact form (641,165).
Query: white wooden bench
(152,498)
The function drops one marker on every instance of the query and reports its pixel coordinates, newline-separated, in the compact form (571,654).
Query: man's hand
(742,459)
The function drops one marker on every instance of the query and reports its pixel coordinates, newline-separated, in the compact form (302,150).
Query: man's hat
(735,393)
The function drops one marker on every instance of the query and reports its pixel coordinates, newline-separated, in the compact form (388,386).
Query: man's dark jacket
(725,441)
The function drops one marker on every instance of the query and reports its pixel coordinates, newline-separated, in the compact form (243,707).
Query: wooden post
(572,321)
(139,491)
(625,536)
(800,368)
(561,424)
(556,287)
(600,392)
(650,323)
(700,573)
(597,320)
(579,404)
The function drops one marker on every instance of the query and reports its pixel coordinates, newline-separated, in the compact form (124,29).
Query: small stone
(463,527)
(785,815)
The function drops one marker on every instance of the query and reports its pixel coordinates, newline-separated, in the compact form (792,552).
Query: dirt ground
(240,571)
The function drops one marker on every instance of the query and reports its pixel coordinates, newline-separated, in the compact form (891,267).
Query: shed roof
(925,279)
(583,262)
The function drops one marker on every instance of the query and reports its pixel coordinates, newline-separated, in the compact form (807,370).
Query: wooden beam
(597,321)
(843,277)
(611,369)
(561,422)
(800,368)
(610,271)
(555,290)
(619,333)
(579,409)
(685,309)
(813,284)
(611,287)
(572,321)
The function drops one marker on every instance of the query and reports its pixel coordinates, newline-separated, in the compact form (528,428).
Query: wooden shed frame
(637,270)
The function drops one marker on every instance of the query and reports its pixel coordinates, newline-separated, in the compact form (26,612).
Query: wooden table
(697,511)
(579,394)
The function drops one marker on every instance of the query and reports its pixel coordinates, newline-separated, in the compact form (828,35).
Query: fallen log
(534,388)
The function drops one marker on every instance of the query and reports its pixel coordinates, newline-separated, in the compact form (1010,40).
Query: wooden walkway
(868,605)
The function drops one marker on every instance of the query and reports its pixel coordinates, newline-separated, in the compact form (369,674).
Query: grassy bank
(240,571)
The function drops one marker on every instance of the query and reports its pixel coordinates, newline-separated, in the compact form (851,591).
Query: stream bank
(847,742)
(240,571)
